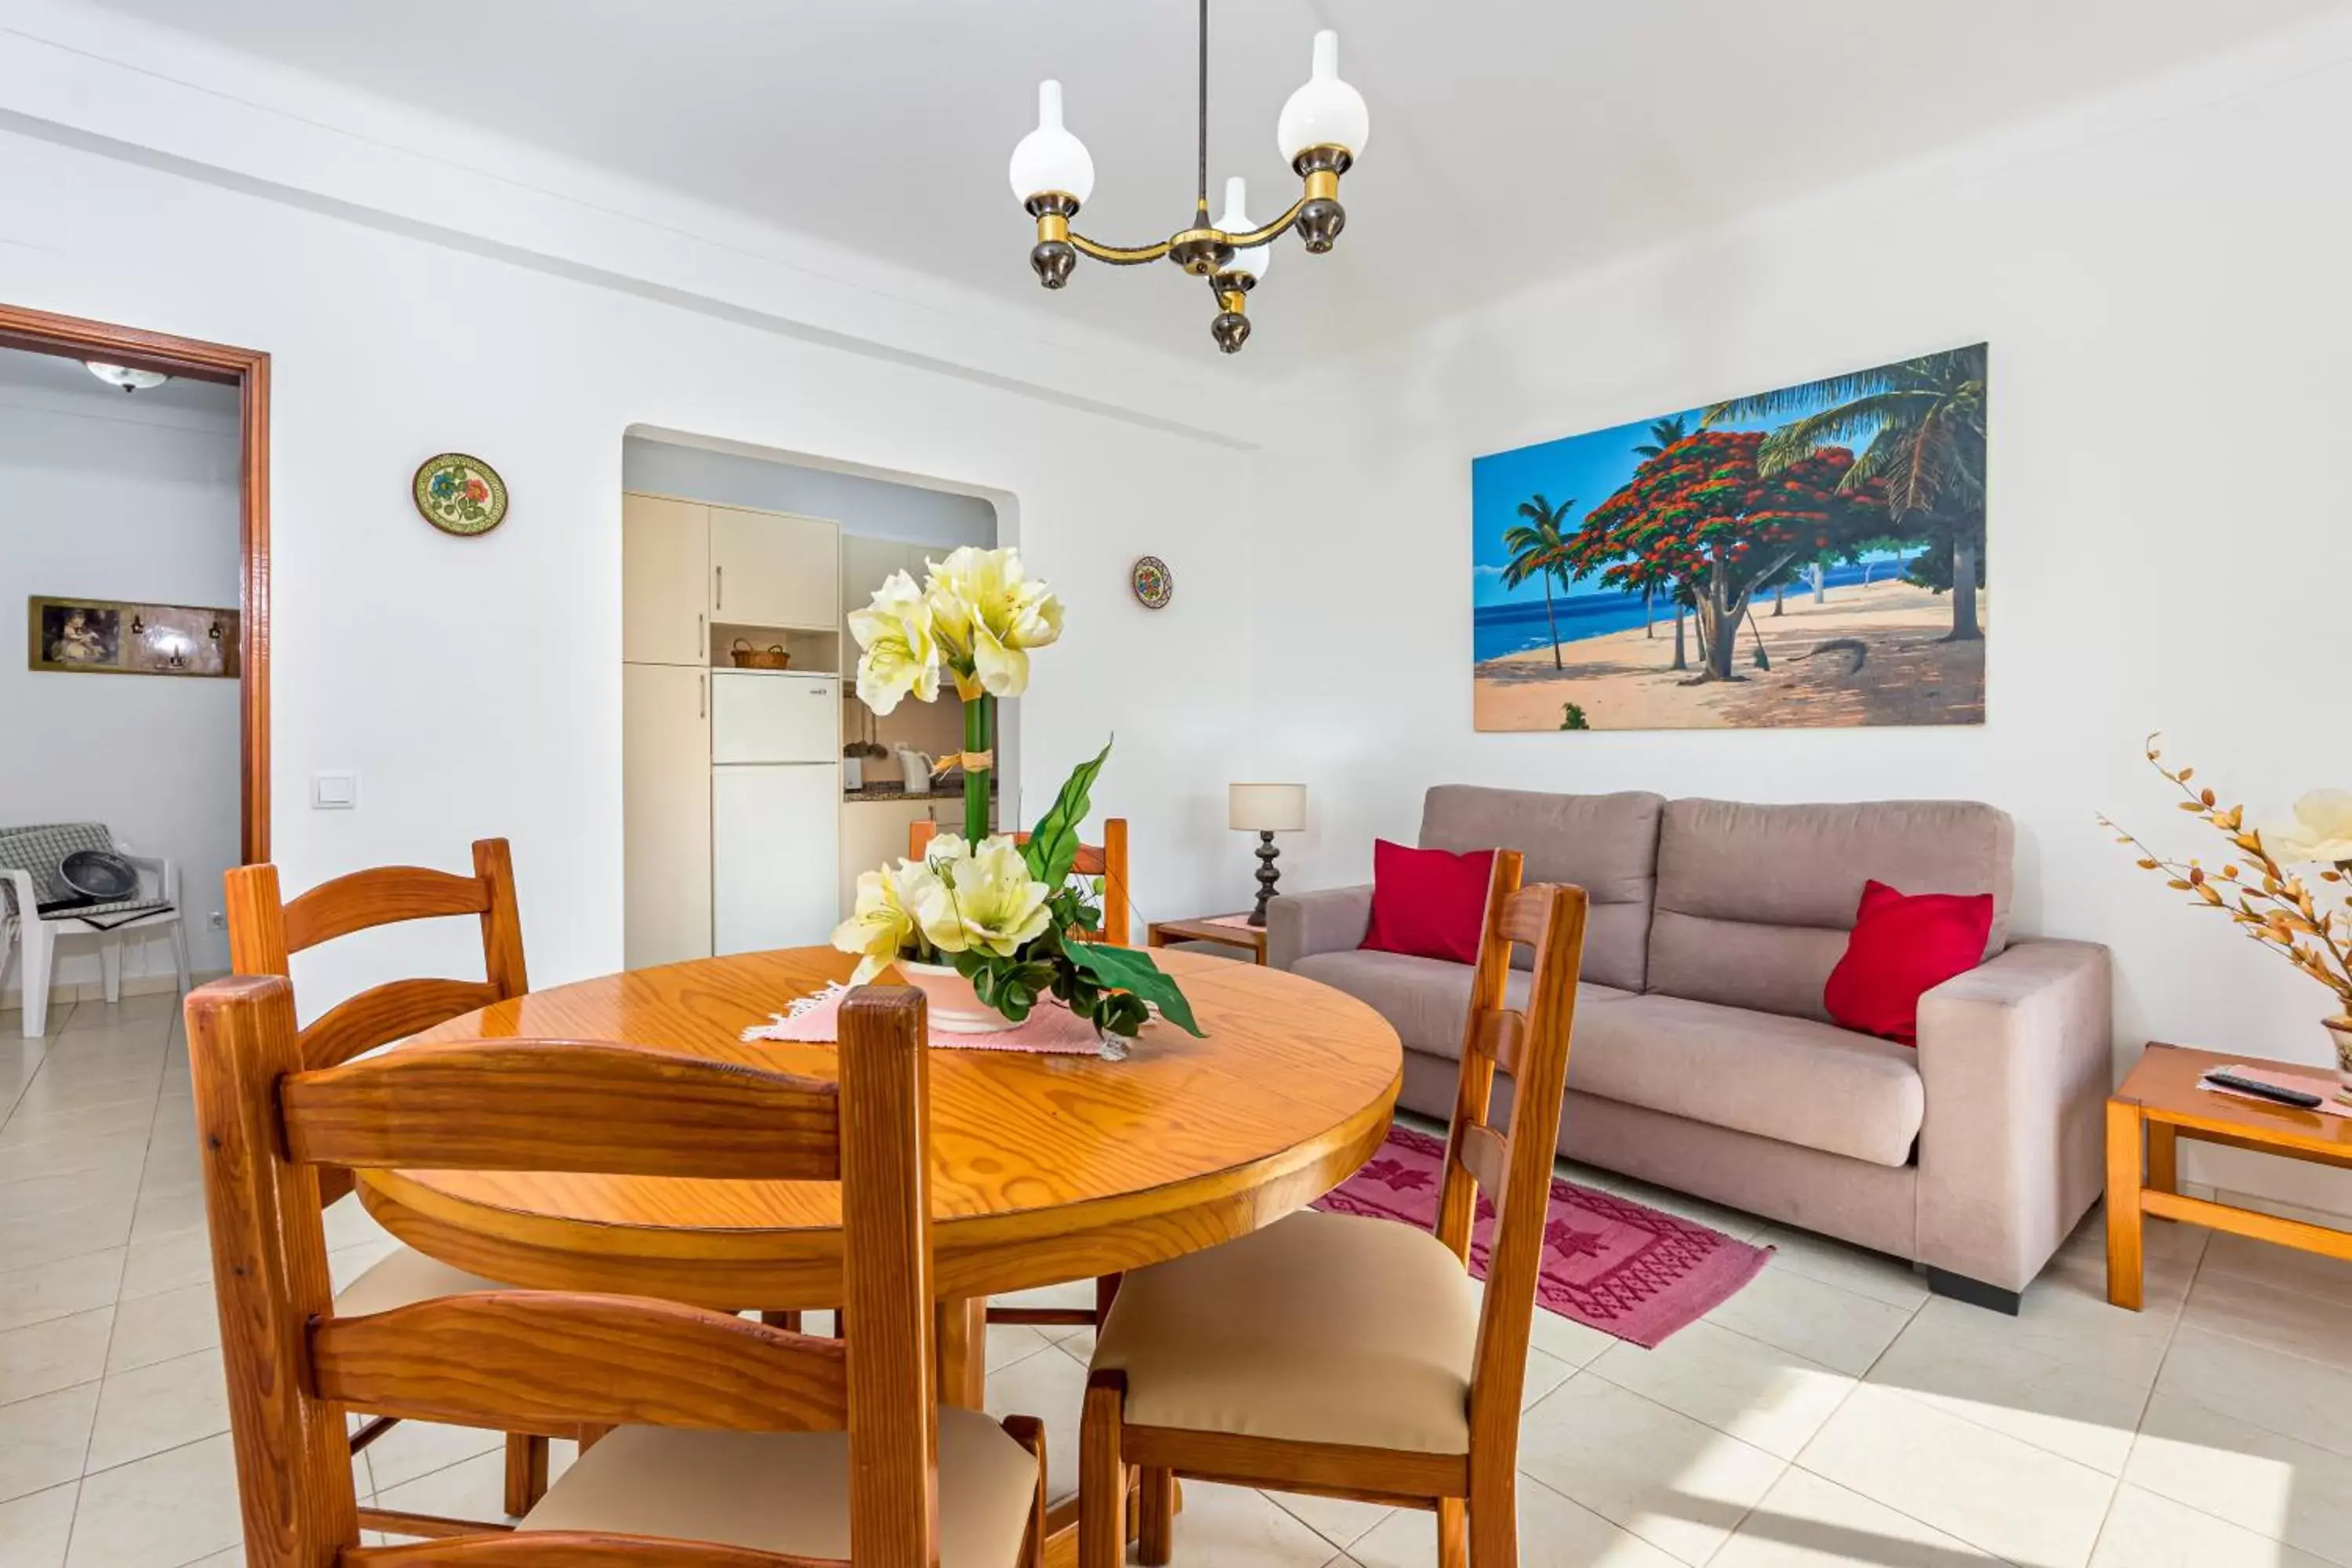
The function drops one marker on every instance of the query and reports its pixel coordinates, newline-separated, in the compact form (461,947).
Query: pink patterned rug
(1610,1263)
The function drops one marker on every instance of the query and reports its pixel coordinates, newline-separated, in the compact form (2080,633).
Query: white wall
(471,683)
(103,497)
(2162,284)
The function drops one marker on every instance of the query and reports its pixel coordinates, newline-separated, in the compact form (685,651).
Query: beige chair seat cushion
(404,1276)
(1426,1000)
(1321,1327)
(788,1492)
(1814,1085)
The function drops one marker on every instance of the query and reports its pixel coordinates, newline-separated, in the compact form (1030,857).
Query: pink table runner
(1049,1030)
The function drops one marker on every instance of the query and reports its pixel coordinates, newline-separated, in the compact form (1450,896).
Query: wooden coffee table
(2160,1104)
(1213,928)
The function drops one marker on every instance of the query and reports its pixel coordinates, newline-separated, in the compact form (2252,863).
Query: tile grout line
(91,1440)
(2139,1421)
(2121,1481)
(27,1087)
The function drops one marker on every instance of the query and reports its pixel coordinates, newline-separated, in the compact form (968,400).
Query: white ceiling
(1512,140)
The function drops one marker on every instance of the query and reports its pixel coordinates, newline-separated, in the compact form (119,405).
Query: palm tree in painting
(1538,549)
(1925,421)
(1664,433)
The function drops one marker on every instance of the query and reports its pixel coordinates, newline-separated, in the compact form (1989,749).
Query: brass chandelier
(1322,134)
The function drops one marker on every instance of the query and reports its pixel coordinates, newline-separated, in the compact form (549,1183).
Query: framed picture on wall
(101,636)
(1812,557)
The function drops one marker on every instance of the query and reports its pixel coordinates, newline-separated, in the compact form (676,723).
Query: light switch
(334,792)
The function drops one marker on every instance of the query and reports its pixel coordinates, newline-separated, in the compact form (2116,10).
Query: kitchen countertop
(952,790)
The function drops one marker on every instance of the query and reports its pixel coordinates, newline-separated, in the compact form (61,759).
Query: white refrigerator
(775,809)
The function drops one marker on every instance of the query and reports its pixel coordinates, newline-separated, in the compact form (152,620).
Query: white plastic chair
(36,935)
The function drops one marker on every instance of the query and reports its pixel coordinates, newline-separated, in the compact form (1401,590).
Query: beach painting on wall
(1800,559)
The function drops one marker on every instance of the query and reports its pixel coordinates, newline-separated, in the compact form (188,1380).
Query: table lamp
(1265,809)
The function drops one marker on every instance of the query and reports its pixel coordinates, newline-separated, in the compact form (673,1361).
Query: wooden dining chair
(1354,1357)
(732,1443)
(264,933)
(1106,860)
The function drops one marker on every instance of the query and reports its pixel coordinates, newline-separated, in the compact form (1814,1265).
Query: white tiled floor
(1832,1413)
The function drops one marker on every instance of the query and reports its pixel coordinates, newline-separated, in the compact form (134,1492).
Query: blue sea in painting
(1519,626)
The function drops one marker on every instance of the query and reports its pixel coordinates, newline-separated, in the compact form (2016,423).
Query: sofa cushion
(1425,1000)
(1429,902)
(1787,1079)
(1901,948)
(1754,902)
(1605,844)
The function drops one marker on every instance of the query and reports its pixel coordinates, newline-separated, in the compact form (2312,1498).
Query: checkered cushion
(42,850)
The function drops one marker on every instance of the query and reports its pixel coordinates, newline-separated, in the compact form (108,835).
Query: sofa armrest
(1333,920)
(2017,1057)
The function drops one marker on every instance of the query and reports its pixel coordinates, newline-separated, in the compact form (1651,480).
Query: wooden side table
(1250,938)
(2160,1104)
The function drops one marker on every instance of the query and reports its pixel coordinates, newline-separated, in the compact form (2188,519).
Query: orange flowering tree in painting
(1701,517)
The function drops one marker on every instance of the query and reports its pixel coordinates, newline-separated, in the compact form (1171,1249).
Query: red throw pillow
(1902,948)
(1430,903)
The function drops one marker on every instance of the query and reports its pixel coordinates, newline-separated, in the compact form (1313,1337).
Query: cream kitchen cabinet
(665,813)
(664,581)
(771,570)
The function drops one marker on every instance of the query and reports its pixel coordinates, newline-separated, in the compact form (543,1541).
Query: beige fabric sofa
(1703,1059)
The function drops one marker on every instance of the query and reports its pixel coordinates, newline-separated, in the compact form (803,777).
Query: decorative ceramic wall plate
(460,494)
(1153,584)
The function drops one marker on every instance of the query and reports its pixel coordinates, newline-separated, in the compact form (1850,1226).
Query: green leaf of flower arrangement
(1131,968)
(1053,846)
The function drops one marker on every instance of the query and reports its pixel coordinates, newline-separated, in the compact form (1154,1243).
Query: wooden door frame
(247,370)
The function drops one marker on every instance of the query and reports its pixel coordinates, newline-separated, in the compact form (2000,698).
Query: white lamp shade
(1049,158)
(124,376)
(1327,111)
(1266,807)
(1235,219)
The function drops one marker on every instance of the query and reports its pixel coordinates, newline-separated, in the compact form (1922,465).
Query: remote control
(2294,1096)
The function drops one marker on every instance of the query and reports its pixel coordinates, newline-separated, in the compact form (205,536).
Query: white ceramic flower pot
(2339,1035)
(955,1007)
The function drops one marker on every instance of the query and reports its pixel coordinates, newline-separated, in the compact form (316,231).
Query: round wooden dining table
(1046,1169)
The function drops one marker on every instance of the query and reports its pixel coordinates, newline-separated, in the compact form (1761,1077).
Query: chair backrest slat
(1106,860)
(1514,1168)
(535,1360)
(1487,1156)
(380,895)
(265,931)
(1501,1036)
(392,1011)
(565,1359)
(564,1105)
(568,1549)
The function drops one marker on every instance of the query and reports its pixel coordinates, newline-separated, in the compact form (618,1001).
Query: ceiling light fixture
(124,376)
(1322,134)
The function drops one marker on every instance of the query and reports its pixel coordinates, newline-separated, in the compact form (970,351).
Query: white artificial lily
(884,919)
(980,897)
(1002,905)
(2321,832)
(901,655)
(987,612)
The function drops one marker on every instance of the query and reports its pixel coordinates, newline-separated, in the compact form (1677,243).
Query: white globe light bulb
(1327,111)
(1235,219)
(1049,158)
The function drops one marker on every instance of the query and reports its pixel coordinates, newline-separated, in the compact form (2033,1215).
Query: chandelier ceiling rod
(1321,132)
(1202,200)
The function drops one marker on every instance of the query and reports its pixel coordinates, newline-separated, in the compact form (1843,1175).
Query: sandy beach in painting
(1626,680)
